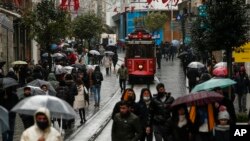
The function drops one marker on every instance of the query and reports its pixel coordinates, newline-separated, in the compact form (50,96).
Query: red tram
(140,55)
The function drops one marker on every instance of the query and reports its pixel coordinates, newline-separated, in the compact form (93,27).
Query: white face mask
(181,117)
(146,98)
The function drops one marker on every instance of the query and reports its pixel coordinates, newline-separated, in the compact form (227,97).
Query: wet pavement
(171,74)
(109,86)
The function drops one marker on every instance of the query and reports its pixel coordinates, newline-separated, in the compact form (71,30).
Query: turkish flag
(76,5)
(164,1)
(149,1)
(63,4)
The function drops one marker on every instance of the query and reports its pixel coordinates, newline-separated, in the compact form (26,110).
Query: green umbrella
(213,83)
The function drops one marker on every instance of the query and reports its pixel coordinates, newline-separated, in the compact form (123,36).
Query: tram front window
(140,51)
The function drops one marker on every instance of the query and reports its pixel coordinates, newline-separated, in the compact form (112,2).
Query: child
(222,130)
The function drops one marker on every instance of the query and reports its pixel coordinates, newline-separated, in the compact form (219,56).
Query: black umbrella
(182,54)
(7,82)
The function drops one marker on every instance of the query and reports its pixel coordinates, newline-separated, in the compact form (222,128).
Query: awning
(8,12)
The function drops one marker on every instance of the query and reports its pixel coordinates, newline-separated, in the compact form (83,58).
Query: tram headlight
(140,67)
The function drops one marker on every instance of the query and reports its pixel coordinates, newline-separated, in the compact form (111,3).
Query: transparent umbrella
(4,119)
(58,107)
(7,82)
(34,91)
(39,83)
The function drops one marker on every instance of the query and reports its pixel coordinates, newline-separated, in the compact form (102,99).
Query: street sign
(242,54)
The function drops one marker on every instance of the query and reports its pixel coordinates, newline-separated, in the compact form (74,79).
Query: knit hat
(223,115)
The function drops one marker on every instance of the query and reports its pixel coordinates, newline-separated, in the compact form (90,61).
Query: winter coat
(52,80)
(122,73)
(72,91)
(79,102)
(161,110)
(115,58)
(144,113)
(62,92)
(106,61)
(97,77)
(221,133)
(241,87)
(177,133)
(126,129)
(33,133)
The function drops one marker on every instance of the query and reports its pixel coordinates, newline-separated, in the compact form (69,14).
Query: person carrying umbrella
(42,129)
(27,119)
(8,99)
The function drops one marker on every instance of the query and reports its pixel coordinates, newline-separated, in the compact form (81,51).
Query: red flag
(149,1)
(69,2)
(76,5)
(164,1)
(63,4)
(132,8)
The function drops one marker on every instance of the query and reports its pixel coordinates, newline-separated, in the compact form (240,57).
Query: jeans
(97,94)
(242,102)
(122,84)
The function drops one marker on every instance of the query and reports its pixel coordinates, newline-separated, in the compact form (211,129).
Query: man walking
(122,73)
(126,125)
(161,112)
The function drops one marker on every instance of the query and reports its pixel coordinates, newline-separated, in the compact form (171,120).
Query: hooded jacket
(33,133)
(52,80)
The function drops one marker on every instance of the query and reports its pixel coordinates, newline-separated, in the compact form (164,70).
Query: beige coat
(33,133)
(79,98)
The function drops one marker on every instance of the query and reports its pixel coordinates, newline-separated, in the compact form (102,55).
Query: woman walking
(79,102)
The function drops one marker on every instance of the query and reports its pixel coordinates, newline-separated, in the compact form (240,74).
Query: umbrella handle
(61,125)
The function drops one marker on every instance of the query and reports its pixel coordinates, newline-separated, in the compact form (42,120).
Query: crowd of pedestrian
(154,115)
(74,78)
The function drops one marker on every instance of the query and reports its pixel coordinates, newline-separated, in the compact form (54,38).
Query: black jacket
(161,110)
(126,129)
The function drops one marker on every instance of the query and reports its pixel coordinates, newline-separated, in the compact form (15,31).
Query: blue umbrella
(214,83)
(4,119)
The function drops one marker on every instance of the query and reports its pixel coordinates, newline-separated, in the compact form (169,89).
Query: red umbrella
(220,71)
(198,98)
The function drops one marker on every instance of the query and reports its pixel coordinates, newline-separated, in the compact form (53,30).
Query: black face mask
(42,125)
(125,115)
(161,94)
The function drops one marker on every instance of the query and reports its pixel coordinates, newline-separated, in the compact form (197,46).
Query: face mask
(161,94)
(146,98)
(181,117)
(42,125)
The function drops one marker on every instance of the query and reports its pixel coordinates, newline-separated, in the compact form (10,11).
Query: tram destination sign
(140,42)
